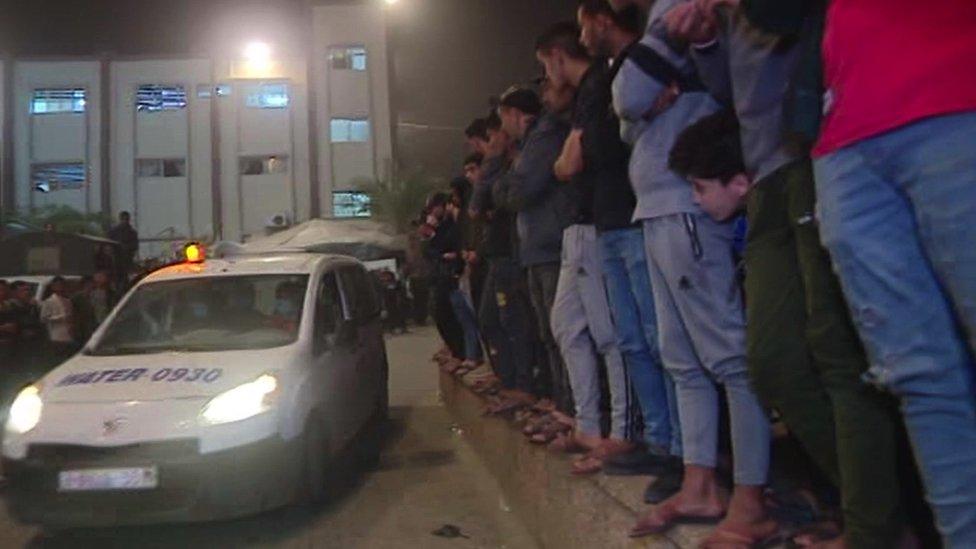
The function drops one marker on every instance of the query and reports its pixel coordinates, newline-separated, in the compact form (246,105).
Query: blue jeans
(898,215)
(469,325)
(635,321)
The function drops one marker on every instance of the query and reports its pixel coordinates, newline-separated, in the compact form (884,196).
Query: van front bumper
(192,486)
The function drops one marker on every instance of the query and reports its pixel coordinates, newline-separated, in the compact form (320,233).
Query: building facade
(205,148)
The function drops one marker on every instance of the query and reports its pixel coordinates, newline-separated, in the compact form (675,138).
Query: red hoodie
(891,62)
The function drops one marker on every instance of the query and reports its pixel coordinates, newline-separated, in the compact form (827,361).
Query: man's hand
(693,22)
(570,162)
(497,145)
(471,257)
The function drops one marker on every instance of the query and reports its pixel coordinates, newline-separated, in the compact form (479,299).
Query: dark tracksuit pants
(806,360)
(543,281)
(444,318)
(506,320)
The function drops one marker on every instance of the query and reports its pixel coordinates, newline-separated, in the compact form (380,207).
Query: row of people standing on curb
(607,214)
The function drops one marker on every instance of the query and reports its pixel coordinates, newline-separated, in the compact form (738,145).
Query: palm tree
(399,201)
(64,219)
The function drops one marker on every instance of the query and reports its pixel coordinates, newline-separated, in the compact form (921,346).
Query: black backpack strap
(657,67)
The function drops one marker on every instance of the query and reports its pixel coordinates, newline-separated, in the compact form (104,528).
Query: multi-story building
(205,147)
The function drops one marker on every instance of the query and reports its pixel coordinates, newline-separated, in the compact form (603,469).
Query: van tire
(313,486)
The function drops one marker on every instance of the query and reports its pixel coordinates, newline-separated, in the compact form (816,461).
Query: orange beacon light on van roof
(194,253)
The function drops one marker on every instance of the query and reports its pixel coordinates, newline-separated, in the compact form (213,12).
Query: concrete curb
(559,509)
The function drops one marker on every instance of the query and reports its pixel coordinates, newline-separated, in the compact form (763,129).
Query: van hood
(161,376)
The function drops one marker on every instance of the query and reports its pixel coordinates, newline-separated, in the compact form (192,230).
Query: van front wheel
(314,463)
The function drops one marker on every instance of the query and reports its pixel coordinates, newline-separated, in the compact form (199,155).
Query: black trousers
(445,320)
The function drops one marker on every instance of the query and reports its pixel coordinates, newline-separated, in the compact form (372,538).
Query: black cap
(522,99)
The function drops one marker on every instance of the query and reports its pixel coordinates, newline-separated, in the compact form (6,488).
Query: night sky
(449,55)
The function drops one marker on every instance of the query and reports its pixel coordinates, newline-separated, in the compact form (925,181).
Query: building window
(161,167)
(351,58)
(350,130)
(60,176)
(348,204)
(58,101)
(155,98)
(268,96)
(264,165)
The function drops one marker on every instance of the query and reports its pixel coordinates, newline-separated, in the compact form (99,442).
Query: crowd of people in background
(714,215)
(40,330)
(37,333)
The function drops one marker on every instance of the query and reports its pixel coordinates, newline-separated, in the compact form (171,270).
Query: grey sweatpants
(703,340)
(582,325)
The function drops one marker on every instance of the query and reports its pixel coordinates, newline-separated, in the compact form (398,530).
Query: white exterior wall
(249,201)
(180,208)
(350,93)
(57,137)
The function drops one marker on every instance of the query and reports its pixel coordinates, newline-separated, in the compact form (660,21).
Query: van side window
(328,306)
(361,292)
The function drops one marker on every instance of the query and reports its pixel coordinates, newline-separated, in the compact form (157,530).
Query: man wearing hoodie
(804,354)
(537,198)
(696,291)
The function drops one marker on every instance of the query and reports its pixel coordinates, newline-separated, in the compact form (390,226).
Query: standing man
(696,291)
(537,197)
(805,358)
(581,319)
(896,193)
(595,160)
(505,312)
(607,34)
(57,315)
(30,332)
(127,237)
(8,329)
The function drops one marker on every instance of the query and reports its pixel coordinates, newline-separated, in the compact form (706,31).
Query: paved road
(428,478)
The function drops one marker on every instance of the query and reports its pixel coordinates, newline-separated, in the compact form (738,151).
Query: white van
(215,389)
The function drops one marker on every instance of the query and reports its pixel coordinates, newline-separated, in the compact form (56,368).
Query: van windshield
(207,315)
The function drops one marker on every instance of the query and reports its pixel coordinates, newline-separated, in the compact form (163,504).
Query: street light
(257,52)
(257,61)
(391,2)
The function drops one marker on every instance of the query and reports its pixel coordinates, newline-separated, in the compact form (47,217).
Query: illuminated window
(161,167)
(346,204)
(264,165)
(155,98)
(58,101)
(348,58)
(268,96)
(350,130)
(59,176)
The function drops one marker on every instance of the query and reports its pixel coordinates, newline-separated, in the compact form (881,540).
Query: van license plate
(96,480)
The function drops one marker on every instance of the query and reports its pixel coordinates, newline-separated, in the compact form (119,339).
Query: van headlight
(242,402)
(25,412)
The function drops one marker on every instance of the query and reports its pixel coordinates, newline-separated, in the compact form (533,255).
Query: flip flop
(644,528)
(759,536)
(549,433)
(816,533)
(593,461)
(567,444)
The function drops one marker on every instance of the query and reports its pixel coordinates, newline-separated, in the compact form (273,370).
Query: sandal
(669,517)
(593,461)
(814,534)
(549,433)
(763,535)
(567,443)
(504,406)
